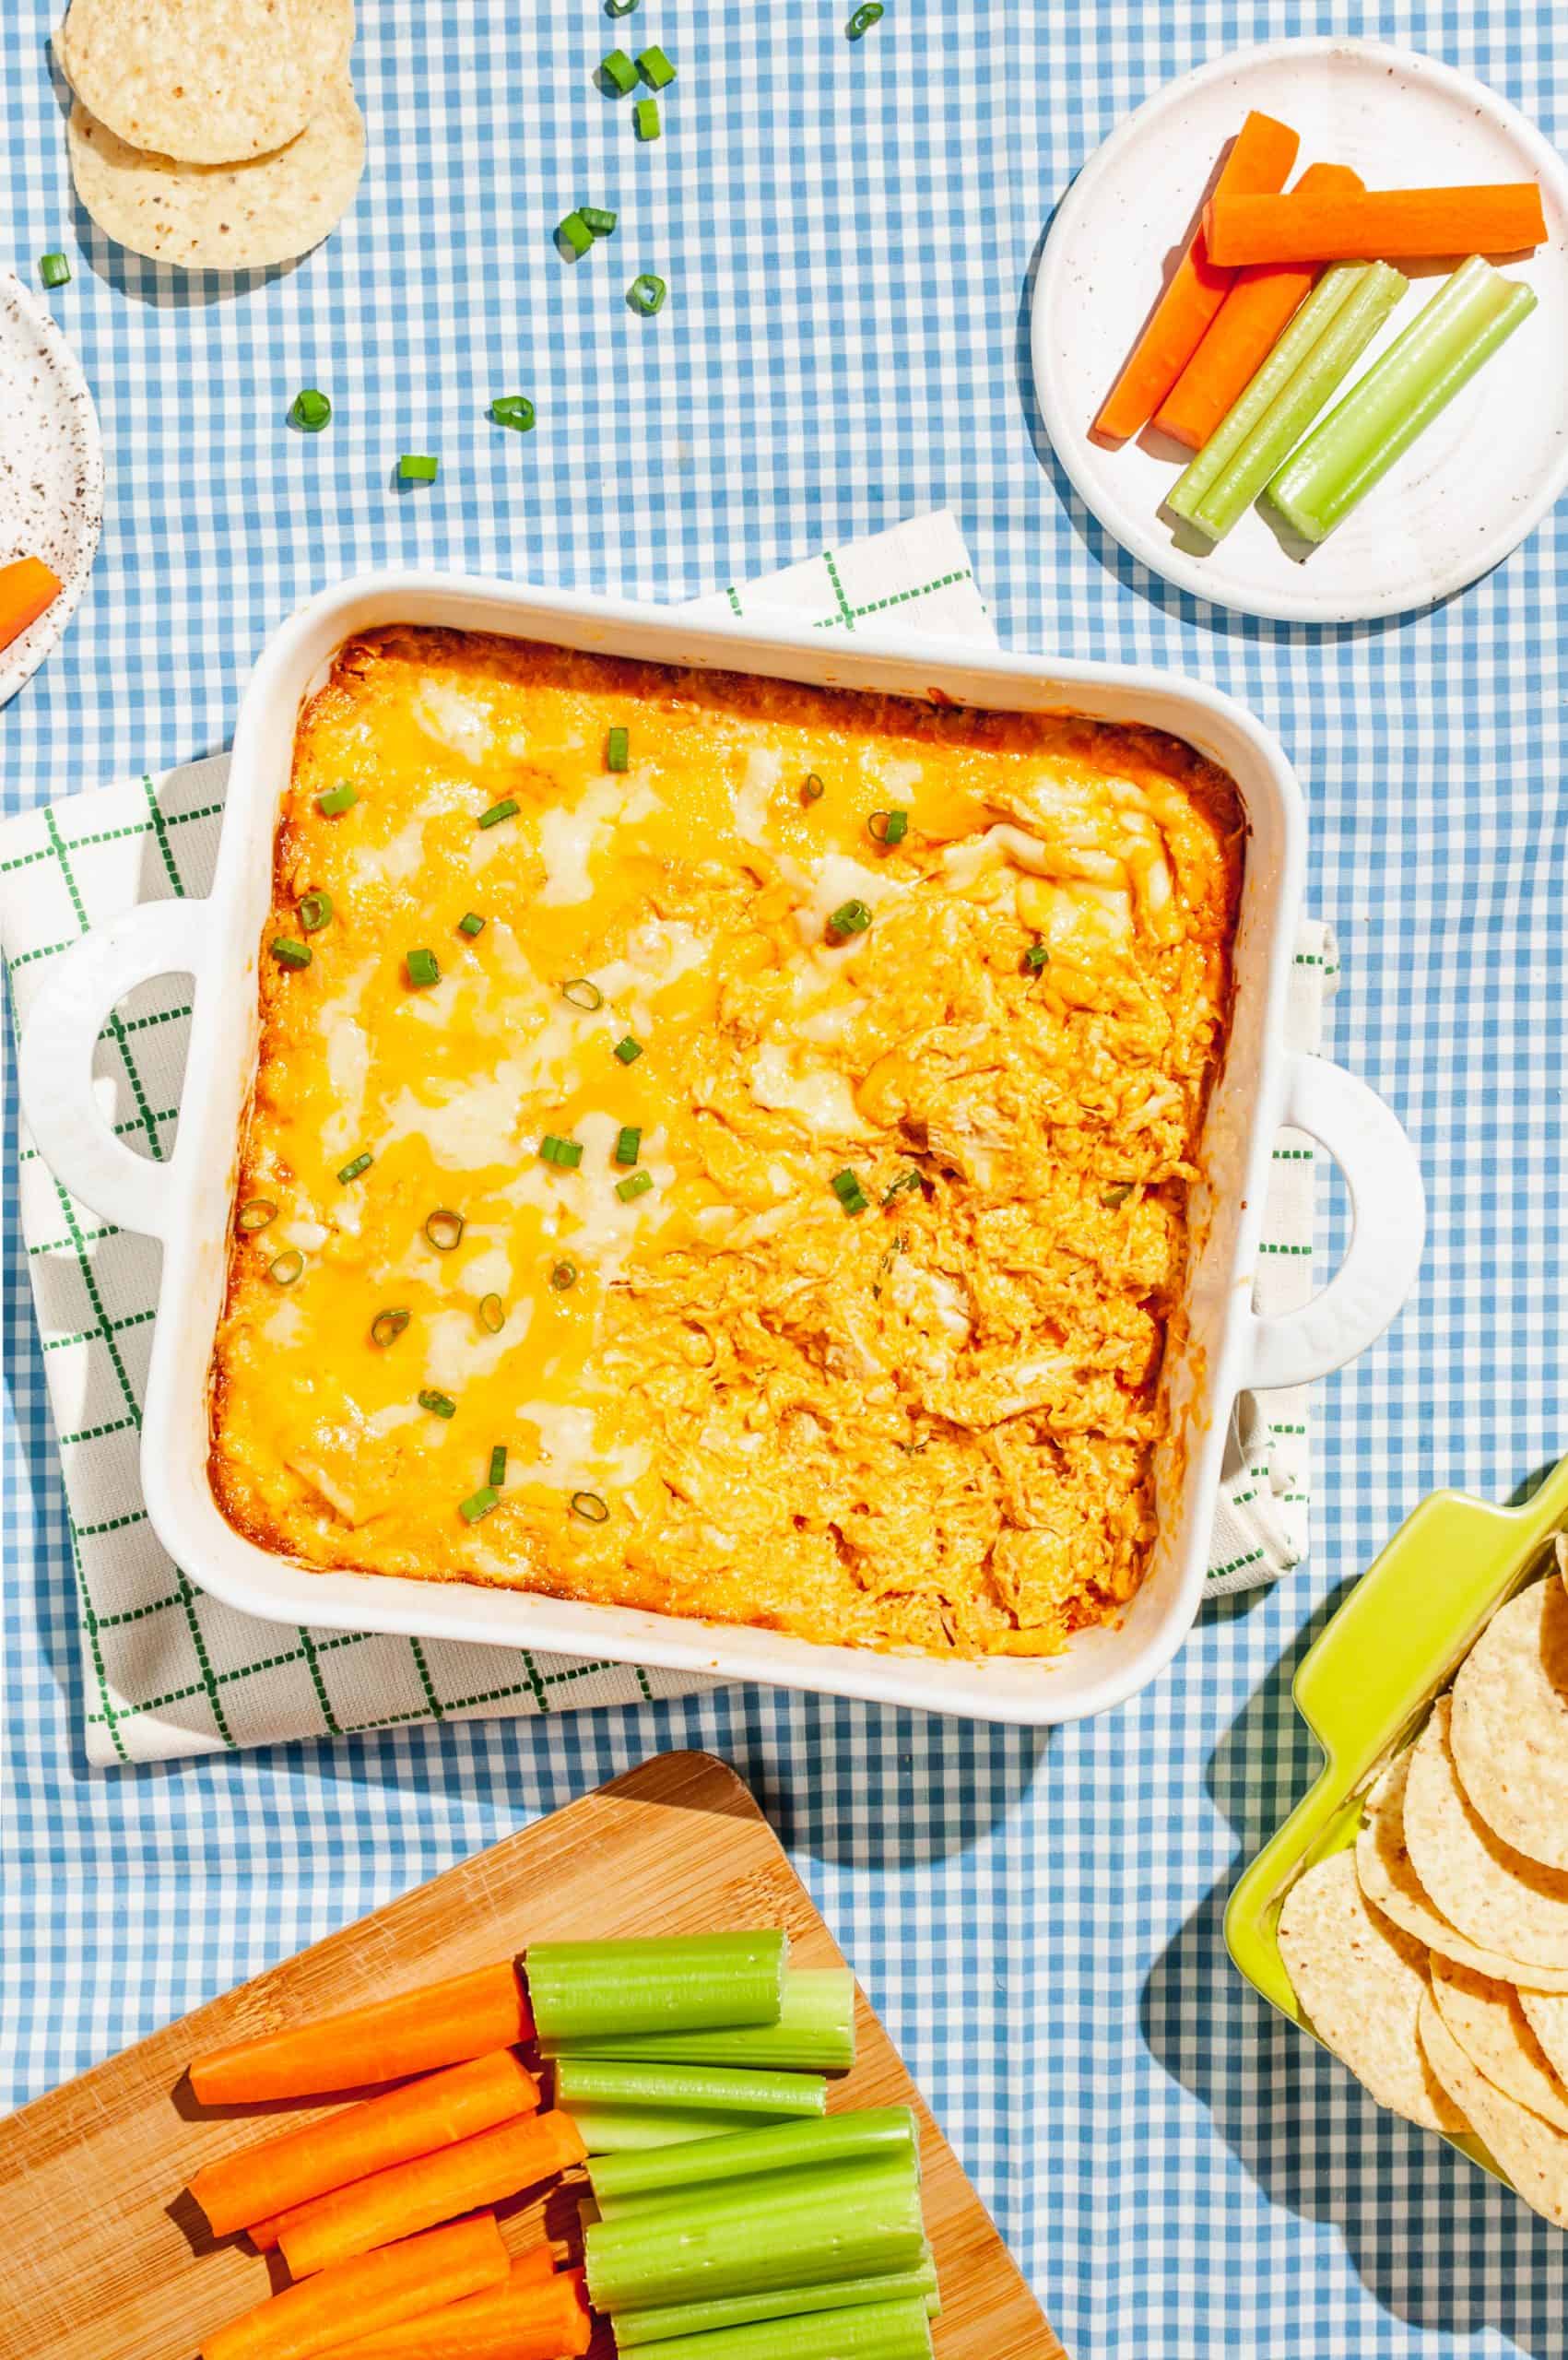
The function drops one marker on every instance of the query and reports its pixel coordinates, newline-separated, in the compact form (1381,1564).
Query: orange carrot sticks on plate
(413,2195)
(1385,224)
(373,2292)
(444,2024)
(240,2191)
(27,587)
(1245,331)
(525,2319)
(1261,156)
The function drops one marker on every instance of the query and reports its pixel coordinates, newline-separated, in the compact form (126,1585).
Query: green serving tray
(1366,1685)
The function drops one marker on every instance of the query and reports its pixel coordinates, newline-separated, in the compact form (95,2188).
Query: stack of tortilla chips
(220,135)
(1433,1957)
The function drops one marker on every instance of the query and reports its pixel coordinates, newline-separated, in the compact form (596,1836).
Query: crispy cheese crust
(915,1408)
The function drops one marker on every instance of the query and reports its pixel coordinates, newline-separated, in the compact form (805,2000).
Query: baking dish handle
(1388,1218)
(54,1067)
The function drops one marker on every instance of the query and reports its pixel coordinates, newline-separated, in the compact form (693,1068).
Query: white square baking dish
(186,1202)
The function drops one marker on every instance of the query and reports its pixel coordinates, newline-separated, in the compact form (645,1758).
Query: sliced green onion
(850,917)
(471,924)
(255,1213)
(1036,957)
(589,1506)
(315,911)
(1419,375)
(617,750)
(618,72)
(309,409)
(627,1050)
(645,115)
(627,2130)
(287,1267)
(573,236)
(492,1313)
(813,790)
(290,953)
(507,809)
(54,270)
(637,1185)
(647,291)
(846,1188)
(815,2034)
(870,13)
(566,1154)
(620,7)
(606,1990)
(341,797)
(600,2081)
(477,1504)
(562,1275)
(599,220)
(422,968)
(629,1143)
(888,827)
(657,2325)
(498,1466)
(905,1185)
(847,2221)
(387,1327)
(656,68)
(1114,1198)
(888,2132)
(445,1229)
(871,2325)
(441,1405)
(514,410)
(418,466)
(582,993)
(352,1170)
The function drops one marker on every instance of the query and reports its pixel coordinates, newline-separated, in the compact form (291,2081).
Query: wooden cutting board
(104,2258)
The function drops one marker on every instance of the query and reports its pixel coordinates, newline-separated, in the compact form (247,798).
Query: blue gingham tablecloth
(848,232)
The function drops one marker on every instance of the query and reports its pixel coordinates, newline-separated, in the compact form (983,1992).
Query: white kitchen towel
(168,1670)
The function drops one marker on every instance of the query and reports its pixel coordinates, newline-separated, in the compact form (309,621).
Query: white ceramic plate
(50,469)
(1482,476)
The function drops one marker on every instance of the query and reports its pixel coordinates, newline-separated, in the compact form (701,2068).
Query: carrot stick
(1245,331)
(525,2319)
(1261,156)
(239,2190)
(444,2024)
(27,587)
(412,2196)
(1388,224)
(366,2295)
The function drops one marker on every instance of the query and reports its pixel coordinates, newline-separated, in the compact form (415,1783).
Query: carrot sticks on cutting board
(374,2291)
(527,2318)
(445,2024)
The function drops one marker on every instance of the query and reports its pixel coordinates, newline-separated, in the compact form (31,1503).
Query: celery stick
(633,2328)
(690,2089)
(1379,419)
(681,1983)
(752,2191)
(632,2129)
(815,2033)
(1327,299)
(1292,410)
(847,2221)
(888,2130)
(871,2331)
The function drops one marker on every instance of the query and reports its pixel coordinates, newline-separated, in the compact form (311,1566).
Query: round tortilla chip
(223,217)
(1509,1729)
(1482,1885)
(205,81)
(1534,2155)
(1391,1885)
(1361,1981)
(1489,2023)
(1546,2012)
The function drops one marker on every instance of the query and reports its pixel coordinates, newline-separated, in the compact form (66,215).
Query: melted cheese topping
(927,1424)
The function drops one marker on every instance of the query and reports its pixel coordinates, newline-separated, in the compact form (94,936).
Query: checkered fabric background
(848,233)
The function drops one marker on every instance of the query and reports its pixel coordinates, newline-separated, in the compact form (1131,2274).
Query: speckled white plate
(50,469)
(1481,476)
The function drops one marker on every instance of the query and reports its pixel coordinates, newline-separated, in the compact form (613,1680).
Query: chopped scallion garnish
(888,827)
(870,13)
(255,1213)
(846,1188)
(471,924)
(492,1313)
(498,1466)
(315,911)
(813,790)
(905,1185)
(638,1185)
(477,1504)
(618,73)
(441,1404)
(514,410)
(445,1229)
(1114,1198)
(310,410)
(629,1050)
(564,1275)
(287,1267)
(656,68)
(647,291)
(627,1144)
(422,968)
(618,750)
(1036,957)
(53,269)
(351,1171)
(590,1507)
(582,993)
(507,809)
(599,220)
(850,917)
(418,466)
(645,115)
(620,7)
(567,1154)
(341,797)
(387,1327)
(290,953)
(573,236)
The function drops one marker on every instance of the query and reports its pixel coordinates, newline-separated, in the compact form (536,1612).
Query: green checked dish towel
(169,1670)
